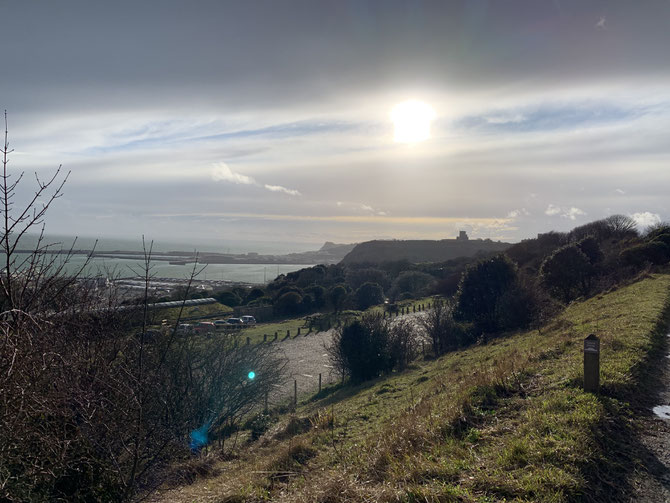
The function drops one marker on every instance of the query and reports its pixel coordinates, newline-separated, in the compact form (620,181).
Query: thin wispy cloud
(279,188)
(221,172)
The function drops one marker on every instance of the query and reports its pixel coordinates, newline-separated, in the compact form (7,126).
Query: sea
(128,268)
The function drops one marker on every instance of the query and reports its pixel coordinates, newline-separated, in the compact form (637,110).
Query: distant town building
(462,236)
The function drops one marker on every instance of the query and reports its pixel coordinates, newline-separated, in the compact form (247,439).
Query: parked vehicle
(184,328)
(220,323)
(234,321)
(205,326)
(248,320)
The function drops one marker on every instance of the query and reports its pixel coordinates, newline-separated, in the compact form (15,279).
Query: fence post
(414,308)
(266,402)
(298,330)
(295,393)
(265,337)
(247,341)
(288,334)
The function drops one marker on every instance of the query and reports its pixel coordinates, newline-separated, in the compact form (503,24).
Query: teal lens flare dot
(251,375)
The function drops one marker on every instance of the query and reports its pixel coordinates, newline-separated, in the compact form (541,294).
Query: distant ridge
(417,251)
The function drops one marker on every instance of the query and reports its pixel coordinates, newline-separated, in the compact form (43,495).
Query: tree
(441,329)
(567,272)
(482,287)
(92,406)
(288,303)
(369,294)
(359,276)
(414,283)
(228,298)
(361,349)
(337,295)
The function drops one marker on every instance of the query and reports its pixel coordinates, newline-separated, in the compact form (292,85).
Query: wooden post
(414,308)
(319,383)
(265,337)
(247,341)
(295,393)
(266,402)
(275,336)
(298,330)
(288,334)
(591,364)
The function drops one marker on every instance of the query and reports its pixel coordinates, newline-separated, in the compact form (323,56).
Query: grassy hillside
(503,421)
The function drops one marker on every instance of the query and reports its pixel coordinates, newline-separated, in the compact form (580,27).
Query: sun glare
(411,120)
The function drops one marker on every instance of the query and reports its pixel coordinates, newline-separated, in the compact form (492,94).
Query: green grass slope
(503,421)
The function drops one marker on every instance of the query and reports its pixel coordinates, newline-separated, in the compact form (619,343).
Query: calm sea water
(248,273)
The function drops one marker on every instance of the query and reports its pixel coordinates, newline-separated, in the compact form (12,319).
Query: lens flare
(251,374)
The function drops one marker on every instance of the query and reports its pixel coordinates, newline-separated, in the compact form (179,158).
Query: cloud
(572,213)
(365,207)
(601,23)
(279,188)
(620,191)
(518,213)
(221,172)
(552,210)
(646,219)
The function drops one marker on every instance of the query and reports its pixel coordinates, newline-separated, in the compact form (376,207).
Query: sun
(411,120)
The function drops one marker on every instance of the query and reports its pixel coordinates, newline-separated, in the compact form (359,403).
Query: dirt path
(307,358)
(651,482)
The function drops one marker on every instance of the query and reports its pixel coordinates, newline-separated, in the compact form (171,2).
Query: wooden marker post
(319,383)
(591,364)
(295,393)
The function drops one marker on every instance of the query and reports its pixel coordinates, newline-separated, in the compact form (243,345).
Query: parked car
(248,320)
(184,328)
(220,323)
(234,321)
(205,326)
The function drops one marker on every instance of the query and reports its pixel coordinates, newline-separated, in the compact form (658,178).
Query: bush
(337,296)
(361,349)
(567,273)
(230,299)
(411,283)
(440,327)
(482,287)
(654,252)
(369,294)
(403,344)
(288,303)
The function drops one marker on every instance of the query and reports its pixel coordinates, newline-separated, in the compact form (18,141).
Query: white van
(248,320)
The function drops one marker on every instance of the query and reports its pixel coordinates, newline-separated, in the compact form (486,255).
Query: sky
(270,122)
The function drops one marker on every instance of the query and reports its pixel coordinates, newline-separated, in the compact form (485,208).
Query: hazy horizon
(254,124)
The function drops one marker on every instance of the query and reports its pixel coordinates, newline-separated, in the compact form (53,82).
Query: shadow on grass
(620,433)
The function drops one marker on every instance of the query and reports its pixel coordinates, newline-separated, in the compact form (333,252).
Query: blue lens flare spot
(251,374)
(199,438)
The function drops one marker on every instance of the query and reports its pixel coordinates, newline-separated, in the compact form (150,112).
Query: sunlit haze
(411,120)
(293,123)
